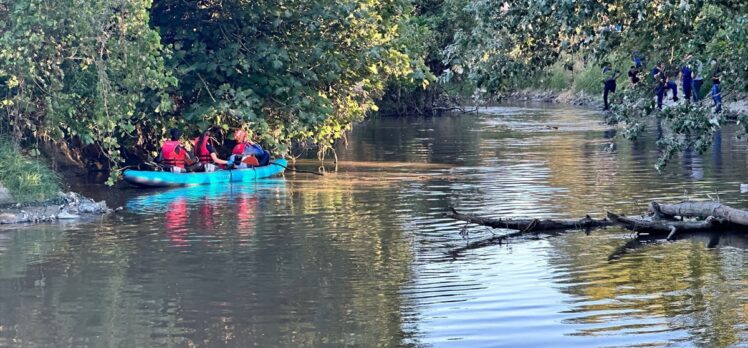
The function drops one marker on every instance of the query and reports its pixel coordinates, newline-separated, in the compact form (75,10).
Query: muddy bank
(68,206)
(563,97)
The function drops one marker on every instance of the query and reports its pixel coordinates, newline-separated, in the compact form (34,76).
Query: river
(361,257)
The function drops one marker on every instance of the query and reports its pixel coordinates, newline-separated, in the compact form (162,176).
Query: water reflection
(359,257)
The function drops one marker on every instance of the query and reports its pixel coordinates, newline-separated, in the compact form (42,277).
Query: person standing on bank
(662,83)
(609,82)
(716,92)
(634,75)
(698,79)
(686,77)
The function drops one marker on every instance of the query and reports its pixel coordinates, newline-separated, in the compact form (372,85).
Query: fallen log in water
(521,225)
(716,217)
(701,210)
(527,225)
(669,227)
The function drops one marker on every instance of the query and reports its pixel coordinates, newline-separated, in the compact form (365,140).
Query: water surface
(361,257)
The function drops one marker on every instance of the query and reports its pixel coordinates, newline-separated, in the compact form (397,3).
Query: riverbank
(31,191)
(66,206)
(732,106)
(567,97)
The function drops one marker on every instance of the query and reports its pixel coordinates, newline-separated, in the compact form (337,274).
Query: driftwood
(527,225)
(642,225)
(701,210)
(715,217)
(522,226)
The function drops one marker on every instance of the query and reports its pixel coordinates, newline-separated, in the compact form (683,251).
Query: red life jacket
(173,154)
(202,151)
(248,160)
(239,148)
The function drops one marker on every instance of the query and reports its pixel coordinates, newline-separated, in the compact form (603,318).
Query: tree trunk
(664,226)
(527,225)
(701,210)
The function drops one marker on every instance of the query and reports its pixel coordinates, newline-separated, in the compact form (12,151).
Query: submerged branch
(528,225)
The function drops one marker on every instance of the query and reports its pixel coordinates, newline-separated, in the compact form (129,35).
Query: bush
(26,179)
(559,79)
(589,79)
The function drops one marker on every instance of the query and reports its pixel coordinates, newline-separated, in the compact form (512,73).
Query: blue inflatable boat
(169,179)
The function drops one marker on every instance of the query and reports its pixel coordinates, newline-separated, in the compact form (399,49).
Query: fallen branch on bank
(663,220)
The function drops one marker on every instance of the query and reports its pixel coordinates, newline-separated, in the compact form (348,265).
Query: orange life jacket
(202,150)
(173,153)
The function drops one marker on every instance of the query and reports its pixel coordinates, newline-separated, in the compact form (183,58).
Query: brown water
(361,257)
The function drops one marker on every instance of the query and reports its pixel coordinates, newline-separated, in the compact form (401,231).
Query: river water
(362,257)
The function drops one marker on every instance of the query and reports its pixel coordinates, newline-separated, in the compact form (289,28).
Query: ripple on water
(362,257)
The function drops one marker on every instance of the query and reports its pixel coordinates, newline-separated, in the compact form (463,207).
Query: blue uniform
(638,61)
(717,96)
(687,81)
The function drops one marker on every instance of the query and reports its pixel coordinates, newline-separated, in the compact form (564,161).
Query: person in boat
(247,153)
(205,152)
(173,156)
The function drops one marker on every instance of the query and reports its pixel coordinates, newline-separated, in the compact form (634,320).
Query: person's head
(633,67)
(175,134)
(240,136)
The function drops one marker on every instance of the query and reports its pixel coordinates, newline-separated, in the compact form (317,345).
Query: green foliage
(27,179)
(690,126)
(290,70)
(510,40)
(684,126)
(115,75)
(88,72)
(589,80)
(559,78)
(632,109)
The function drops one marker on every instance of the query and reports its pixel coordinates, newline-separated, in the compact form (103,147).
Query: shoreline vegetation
(31,191)
(100,84)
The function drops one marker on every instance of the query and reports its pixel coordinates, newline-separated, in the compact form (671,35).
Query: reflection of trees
(685,284)
(322,268)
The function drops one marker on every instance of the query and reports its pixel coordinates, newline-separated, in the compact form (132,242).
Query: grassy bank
(27,178)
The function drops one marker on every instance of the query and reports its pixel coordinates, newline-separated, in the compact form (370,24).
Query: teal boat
(168,179)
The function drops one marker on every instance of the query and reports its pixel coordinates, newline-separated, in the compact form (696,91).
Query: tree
(88,73)
(291,70)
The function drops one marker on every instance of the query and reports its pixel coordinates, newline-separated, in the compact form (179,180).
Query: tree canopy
(115,75)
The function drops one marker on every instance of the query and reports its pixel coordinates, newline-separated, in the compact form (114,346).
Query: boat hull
(168,179)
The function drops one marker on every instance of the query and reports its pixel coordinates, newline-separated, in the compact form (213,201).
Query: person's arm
(217,160)
(214,156)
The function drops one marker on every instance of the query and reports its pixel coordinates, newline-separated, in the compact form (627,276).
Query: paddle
(298,170)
